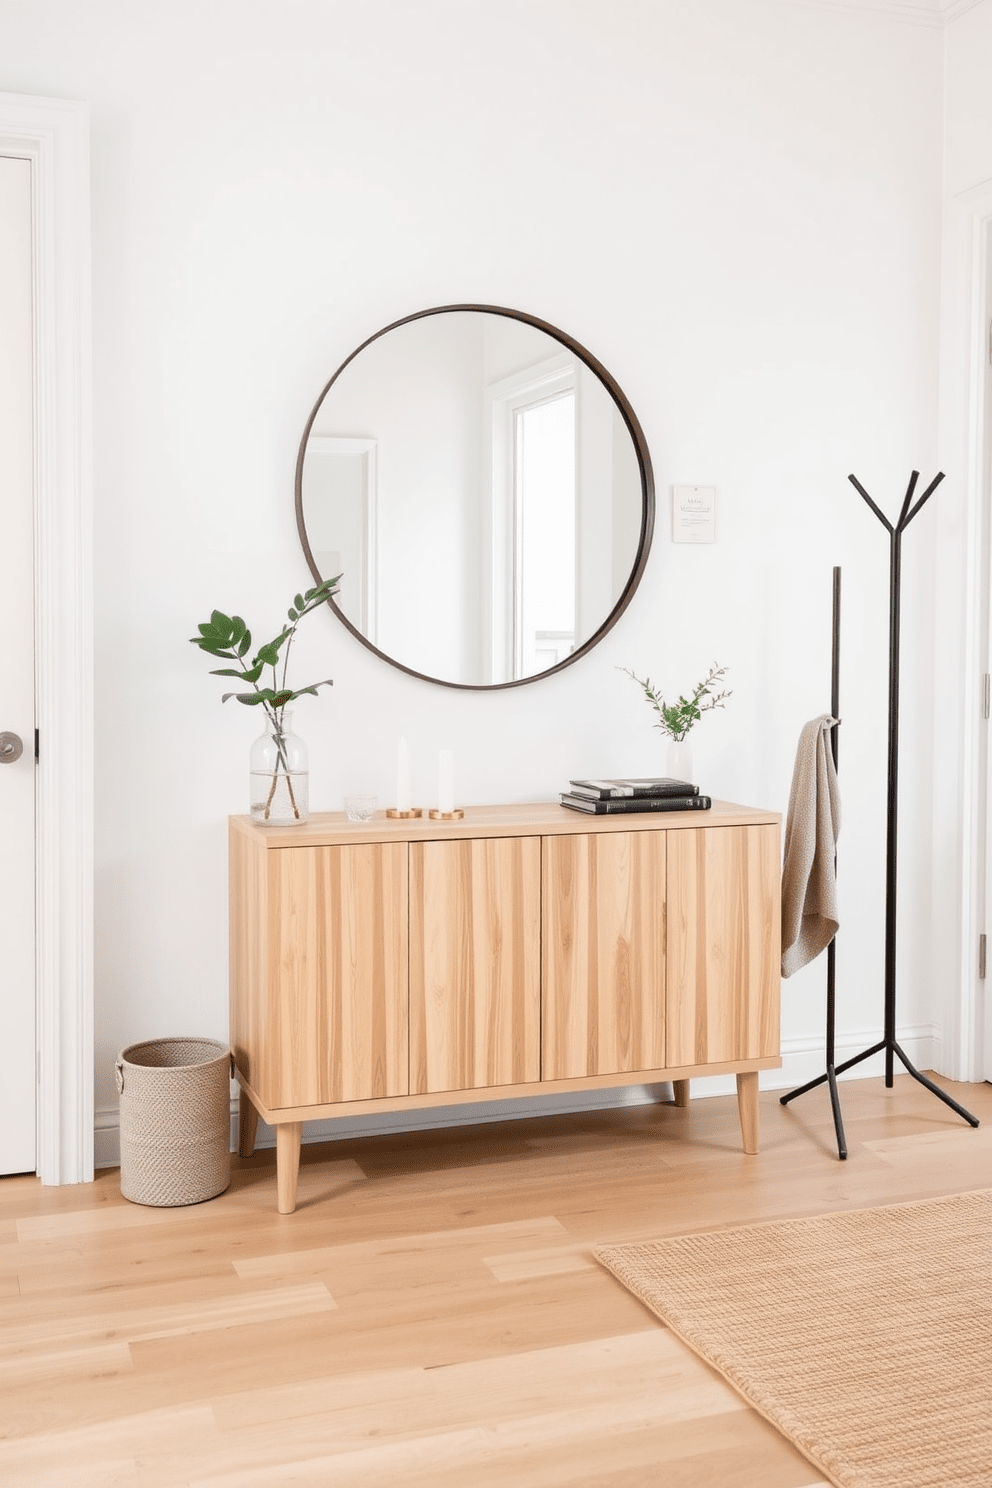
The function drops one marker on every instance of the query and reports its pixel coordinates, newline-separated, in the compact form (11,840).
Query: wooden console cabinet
(394,964)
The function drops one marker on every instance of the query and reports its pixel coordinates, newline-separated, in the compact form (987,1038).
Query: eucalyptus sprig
(228,637)
(676,719)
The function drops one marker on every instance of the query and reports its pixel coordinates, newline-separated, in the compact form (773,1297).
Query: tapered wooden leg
(681,1089)
(247,1126)
(747,1106)
(288,1134)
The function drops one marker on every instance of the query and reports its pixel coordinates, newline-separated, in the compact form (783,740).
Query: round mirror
(484,489)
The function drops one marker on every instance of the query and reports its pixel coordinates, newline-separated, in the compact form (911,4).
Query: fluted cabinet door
(604,954)
(337,975)
(724,944)
(475,963)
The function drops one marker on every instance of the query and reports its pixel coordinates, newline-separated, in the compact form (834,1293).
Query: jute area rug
(865,1337)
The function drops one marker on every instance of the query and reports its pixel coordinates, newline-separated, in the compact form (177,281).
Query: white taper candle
(403,794)
(446,780)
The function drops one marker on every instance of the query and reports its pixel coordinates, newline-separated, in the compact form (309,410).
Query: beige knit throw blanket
(809,883)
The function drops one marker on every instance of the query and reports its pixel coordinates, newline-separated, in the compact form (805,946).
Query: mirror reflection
(485,492)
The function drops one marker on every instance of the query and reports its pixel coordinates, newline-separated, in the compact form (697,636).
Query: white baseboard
(802,1060)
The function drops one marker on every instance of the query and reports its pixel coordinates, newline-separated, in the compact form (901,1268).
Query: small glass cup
(360,808)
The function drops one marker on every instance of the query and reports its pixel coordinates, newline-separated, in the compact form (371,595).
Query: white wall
(735,205)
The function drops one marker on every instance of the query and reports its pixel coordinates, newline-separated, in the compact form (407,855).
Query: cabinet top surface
(536,818)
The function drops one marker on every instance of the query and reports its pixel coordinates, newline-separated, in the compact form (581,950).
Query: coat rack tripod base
(887,1044)
(891,1048)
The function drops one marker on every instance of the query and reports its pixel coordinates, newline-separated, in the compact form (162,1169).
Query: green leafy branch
(676,719)
(228,637)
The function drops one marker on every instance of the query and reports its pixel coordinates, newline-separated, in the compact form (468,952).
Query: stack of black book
(660,793)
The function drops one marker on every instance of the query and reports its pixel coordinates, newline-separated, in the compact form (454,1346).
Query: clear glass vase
(279,775)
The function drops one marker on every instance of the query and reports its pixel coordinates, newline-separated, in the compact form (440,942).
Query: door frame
(961,585)
(54,135)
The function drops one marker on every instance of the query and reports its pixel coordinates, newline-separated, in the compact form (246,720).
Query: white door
(17,785)
(985,924)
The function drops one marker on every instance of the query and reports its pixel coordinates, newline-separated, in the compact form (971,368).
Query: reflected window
(544,533)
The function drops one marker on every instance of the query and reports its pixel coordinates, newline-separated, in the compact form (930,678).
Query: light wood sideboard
(391,964)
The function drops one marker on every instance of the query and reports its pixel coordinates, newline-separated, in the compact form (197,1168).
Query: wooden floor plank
(381,1251)
(522,1264)
(174,1320)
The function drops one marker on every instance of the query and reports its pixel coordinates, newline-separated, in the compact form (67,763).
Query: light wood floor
(431,1315)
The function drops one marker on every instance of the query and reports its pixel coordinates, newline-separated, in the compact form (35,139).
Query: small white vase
(679,760)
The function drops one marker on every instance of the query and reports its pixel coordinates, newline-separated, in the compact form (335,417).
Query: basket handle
(119,1067)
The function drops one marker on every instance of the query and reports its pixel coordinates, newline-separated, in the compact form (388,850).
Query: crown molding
(935,13)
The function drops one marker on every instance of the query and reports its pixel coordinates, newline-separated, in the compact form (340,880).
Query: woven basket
(175,1120)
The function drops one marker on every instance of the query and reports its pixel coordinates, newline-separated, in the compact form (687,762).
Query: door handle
(11,748)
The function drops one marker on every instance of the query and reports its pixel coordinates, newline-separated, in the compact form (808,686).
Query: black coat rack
(888,1042)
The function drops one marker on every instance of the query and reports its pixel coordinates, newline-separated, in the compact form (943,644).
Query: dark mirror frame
(643,461)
